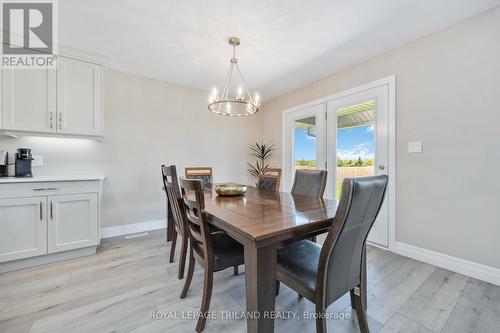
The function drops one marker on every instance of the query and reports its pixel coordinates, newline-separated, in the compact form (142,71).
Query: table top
(263,217)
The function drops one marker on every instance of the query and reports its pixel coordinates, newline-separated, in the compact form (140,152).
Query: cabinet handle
(51,188)
(39,189)
(41,211)
(51,211)
(51,120)
(60,120)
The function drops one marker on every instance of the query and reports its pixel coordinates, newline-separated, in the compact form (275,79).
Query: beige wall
(147,123)
(448,92)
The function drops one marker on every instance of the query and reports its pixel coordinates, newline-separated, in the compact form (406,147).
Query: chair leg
(320,319)
(364,288)
(235,270)
(182,259)
(189,276)
(361,313)
(363,283)
(353,303)
(277,287)
(205,303)
(172,248)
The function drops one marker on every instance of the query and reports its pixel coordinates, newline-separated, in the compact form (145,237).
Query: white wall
(146,123)
(448,91)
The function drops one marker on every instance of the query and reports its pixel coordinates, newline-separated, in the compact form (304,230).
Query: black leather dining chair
(323,274)
(310,183)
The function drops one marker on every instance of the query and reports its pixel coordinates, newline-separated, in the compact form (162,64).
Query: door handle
(381,167)
(41,211)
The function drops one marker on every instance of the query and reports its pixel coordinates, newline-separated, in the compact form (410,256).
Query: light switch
(37,160)
(415,147)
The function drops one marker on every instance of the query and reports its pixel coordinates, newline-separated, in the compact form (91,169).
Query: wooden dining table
(263,221)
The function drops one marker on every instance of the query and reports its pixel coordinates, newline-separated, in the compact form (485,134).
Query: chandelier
(235,99)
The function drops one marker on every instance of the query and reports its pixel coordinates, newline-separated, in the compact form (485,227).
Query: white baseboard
(465,267)
(133,228)
(46,259)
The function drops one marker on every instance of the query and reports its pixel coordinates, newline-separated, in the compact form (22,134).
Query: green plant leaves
(261,152)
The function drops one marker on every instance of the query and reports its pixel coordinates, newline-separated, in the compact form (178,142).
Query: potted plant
(262,152)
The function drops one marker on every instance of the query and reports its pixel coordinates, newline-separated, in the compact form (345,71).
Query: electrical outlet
(37,160)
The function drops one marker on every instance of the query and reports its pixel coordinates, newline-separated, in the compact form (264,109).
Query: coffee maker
(23,163)
(4,163)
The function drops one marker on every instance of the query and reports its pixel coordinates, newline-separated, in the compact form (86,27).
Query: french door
(349,135)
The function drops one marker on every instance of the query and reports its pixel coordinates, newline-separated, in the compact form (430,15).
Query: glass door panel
(305,133)
(355,142)
(304,145)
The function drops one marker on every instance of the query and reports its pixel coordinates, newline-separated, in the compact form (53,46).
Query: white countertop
(37,179)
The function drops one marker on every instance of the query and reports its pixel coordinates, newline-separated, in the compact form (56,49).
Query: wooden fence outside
(344,172)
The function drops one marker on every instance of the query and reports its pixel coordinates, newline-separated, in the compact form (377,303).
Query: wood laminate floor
(118,289)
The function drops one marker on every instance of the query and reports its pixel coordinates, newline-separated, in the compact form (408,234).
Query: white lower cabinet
(72,221)
(42,222)
(23,228)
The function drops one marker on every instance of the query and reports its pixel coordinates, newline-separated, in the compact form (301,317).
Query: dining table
(263,221)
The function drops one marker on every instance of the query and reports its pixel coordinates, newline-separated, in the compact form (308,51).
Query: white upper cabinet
(66,101)
(29,100)
(79,101)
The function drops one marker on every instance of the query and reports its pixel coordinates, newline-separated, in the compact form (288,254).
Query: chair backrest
(269,179)
(201,173)
(340,262)
(311,183)
(199,232)
(171,185)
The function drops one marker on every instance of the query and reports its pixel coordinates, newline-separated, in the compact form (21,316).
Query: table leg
(170,223)
(260,281)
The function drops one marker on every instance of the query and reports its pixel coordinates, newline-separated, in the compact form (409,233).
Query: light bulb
(239,93)
(256,99)
(215,94)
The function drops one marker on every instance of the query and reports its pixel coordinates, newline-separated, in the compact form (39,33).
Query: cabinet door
(23,228)
(29,100)
(79,89)
(72,221)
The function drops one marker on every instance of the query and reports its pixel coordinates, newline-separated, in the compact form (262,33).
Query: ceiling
(285,43)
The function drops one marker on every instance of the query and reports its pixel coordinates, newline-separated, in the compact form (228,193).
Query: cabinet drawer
(18,190)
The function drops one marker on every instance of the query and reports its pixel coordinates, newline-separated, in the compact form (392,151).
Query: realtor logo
(28,32)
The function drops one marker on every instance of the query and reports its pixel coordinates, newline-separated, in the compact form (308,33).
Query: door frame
(390,81)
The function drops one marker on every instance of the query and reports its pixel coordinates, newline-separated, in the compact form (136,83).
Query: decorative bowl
(230,189)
